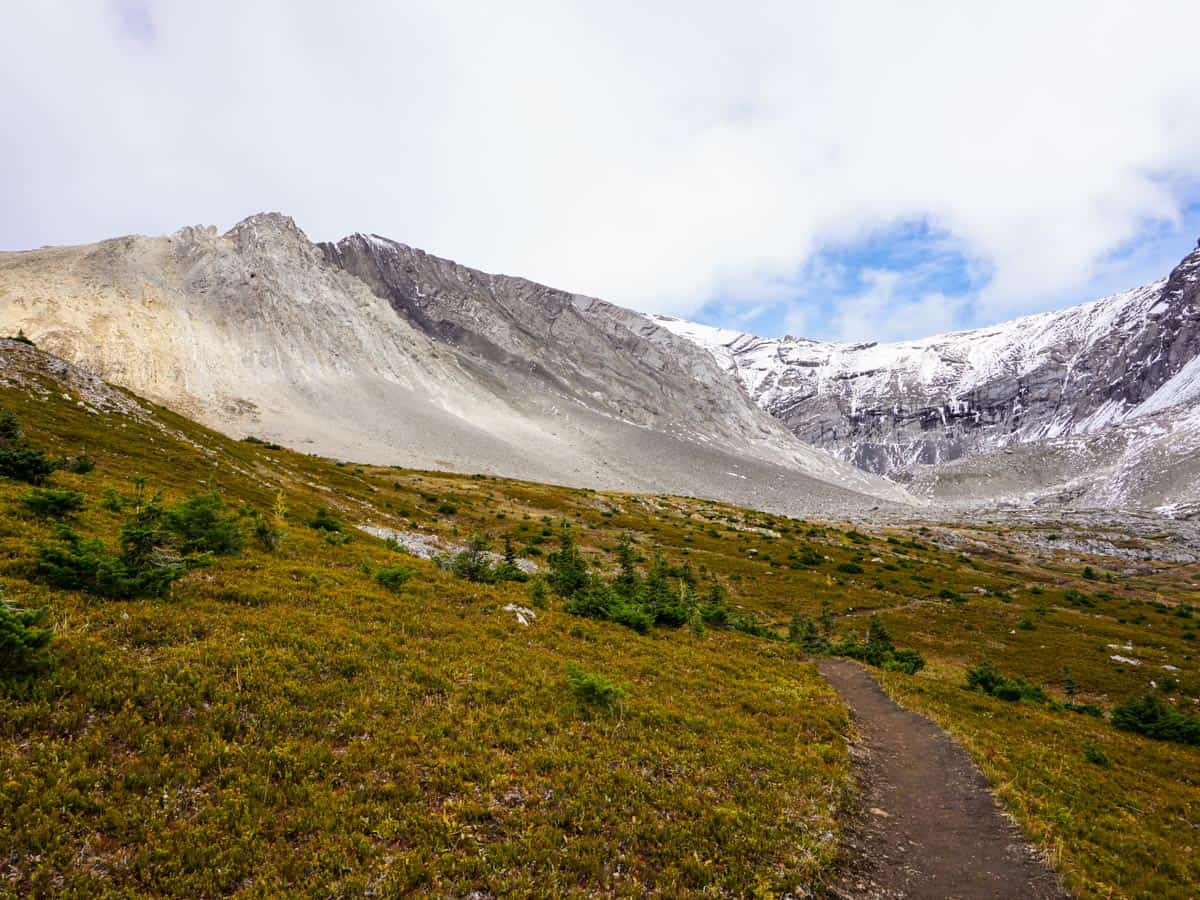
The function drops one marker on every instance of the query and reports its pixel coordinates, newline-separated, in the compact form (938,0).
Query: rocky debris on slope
(384,354)
(427,546)
(23,367)
(579,348)
(546,343)
(1151,462)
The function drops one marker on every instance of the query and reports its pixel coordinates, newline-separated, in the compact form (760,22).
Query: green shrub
(507,569)
(714,611)
(145,565)
(204,526)
(266,445)
(111,499)
(324,520)
(907,660)
(1078,598)
(592,688)
(1150,715)
(393,577)
(807,557)
(803,631)
(877,649)
(22,641)
(80,465)
(472,562)
(984,678)
(53,503)
(850,568)
(751,626)
(568,575)
(20,460)
(538,592)
(1093,753)
(10,426)
(28,464)
(267,532)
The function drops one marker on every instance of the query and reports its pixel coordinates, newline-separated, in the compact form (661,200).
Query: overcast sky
(852,170)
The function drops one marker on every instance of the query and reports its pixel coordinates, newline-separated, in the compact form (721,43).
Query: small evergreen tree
(52,503)
(508,570)
(267,532)
(204,526)
(627,582)
(538,592)
(826,617)
(1070,688)
(20,460)
(324,520)
(714,610)
(472,562)
(145,566)
(22,640)
(568,573)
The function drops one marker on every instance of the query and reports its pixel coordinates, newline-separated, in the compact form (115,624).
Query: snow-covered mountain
(887,407)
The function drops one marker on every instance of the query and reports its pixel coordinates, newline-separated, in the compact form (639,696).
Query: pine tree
(568,571)
(627,581)
(1069,685)
(22,641)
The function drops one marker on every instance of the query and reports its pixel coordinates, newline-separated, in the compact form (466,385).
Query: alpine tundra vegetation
(190,709)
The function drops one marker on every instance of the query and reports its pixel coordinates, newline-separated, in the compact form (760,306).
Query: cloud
(882,313)
(663,156)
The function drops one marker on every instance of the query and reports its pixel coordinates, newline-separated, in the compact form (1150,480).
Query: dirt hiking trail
(928,826)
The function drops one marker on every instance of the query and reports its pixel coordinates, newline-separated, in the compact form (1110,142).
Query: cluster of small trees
(477,563)
(22,461)
(1152,716)
(1148,714)
(157,545)
(658,596)
(876,648)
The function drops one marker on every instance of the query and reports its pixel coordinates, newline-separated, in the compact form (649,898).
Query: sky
(845,170)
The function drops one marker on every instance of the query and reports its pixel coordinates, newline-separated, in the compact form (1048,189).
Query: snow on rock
(1129,361)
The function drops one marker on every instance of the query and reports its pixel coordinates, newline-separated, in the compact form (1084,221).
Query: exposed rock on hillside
(369,350)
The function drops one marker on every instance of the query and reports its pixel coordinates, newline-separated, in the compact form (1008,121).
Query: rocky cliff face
(888,407)
(575,347)
(372,351)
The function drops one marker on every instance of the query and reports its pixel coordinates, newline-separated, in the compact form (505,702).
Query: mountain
(369,350)
(1115,382)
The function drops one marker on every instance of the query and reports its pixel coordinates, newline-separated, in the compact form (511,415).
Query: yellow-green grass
(1123,830)
(284,723)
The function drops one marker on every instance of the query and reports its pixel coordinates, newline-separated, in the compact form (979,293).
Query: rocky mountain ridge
(891,408)
(369,351)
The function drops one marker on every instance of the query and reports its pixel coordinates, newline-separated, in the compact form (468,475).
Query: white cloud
(658,155)
(882,313)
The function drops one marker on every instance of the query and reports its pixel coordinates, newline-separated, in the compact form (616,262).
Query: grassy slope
(283,721)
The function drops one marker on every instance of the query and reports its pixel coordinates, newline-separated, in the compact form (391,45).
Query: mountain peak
(267,224)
